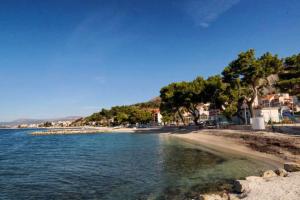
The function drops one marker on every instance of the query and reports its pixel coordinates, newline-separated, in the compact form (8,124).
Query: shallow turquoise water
(111,166)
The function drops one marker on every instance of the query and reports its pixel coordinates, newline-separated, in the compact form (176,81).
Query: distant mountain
(37,121)
(153,103)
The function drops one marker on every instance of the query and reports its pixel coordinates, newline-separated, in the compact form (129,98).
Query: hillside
(117,115)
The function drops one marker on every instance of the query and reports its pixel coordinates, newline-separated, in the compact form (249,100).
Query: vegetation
(122,115)
(47,124)
(250,74)
(241,82)
(289,78)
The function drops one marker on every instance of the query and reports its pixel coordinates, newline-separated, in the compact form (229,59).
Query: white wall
(270,113)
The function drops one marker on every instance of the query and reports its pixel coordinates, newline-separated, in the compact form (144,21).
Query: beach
(276,147)
(266,149)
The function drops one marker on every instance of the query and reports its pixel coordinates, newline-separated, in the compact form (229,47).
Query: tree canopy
(121,115)
(241,81)
(289,78)
(250,74)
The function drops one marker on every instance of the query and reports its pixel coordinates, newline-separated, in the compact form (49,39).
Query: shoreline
(274,149)
(94,130)
(226,145)
(278,147)
(274,184)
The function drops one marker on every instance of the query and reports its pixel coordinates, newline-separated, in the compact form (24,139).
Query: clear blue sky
(69,57)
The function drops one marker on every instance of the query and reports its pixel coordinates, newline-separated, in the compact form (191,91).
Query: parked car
(202,124)
(211,124)
(143,126)
(191,124)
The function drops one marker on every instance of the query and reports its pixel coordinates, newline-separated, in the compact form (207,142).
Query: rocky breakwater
(68,131)
(280,184)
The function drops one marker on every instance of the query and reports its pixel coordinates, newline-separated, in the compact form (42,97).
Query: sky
(73,57)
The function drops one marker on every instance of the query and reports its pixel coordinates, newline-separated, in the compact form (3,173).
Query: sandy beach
(266,149)
(228,145)
(274,146)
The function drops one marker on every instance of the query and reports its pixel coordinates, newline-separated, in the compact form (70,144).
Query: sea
(113,166)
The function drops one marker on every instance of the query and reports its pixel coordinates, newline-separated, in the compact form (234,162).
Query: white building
(296,106)
(271,114)
(276,100)
(157,117)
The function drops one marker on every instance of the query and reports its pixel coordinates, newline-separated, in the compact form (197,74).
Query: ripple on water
(110,166)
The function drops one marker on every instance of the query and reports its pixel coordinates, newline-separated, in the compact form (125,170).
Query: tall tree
(192,93)
(183,96)
(251,73)
(221,95)
(289,78)
(171,99)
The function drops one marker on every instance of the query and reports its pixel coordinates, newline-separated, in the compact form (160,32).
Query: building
(157,117)
(275,107)
(296,105)
(276,100)
(214,113)
(204,112)
(270,114)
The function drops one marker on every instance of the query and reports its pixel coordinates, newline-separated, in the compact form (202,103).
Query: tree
(141,116)
(251,73)
(183,97)
(120,118)
(167,117)
(289,78)
(193,96)
(47,124)
(220,95)
(171,100)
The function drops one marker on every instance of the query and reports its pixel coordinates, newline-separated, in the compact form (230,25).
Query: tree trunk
(196,115)
(196,121)
(181,117)
(250,104)
(240,117)
(196,118)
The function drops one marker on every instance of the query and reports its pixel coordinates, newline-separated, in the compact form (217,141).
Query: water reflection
(111,166)
(189,170)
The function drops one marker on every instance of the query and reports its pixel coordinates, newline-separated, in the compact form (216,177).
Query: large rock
(241,186)
(224,196)
(233,197)
(292,167)
(281,172)
(254,178)
(269,174)
(211,197)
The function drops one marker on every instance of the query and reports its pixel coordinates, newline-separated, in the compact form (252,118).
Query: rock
(269,174)
(254,178)
(241,186)
(281,172)
(233,197)
(213,197)
(292,167)
(224,196)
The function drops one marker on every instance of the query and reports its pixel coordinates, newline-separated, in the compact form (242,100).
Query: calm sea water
(111,166)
